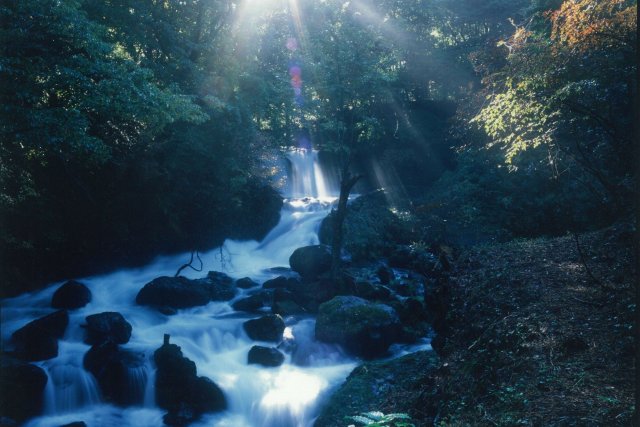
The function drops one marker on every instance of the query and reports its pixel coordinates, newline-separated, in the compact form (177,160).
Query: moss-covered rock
(363,328)
(371,228)
(405,384)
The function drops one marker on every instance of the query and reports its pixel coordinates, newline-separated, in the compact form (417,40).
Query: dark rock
(378,384)
(311,261)
(246,283)
(363,328)
(278,282)
(385,275)
(281,282)
(266,328)
(109,326)
(180,391)
(182,416)
(114,370)
(174,292)
(265,356)
(180,292)
(76,424)
(414,319)
(310,295)
(372,292)
(411,311)
(23,387)
(287,308)
(220,279)
(287,303)
(206,396)
(71,295)
(250,303)
(415,258)
(38,340)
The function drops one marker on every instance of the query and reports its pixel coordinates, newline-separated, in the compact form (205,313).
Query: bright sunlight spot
(293,389)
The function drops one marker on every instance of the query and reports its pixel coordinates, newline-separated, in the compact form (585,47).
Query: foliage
(78,94)
(130,128)
(567,88)
(378,419)
(116,145)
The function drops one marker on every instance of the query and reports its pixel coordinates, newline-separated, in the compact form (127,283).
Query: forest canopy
(135,128)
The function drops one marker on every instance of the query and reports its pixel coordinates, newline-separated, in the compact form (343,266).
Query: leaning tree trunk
(346,184)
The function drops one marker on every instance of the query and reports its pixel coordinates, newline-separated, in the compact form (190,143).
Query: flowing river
(212,335)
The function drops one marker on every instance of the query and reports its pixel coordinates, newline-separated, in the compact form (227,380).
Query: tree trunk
(346,184)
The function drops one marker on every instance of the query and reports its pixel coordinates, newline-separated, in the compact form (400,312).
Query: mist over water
(212,335)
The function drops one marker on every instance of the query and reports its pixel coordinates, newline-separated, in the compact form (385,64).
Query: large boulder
(223,286)
(286,303)
(372,292)
(246,283)
(109,326)
(265,356)
(372,227)
(281,282)
(363,328)
(311,261)
(308,294)
(265,328)
(251,303)
(117,372)
(71,295)
(180,391)
(22,391)
(180,292)
(38,340)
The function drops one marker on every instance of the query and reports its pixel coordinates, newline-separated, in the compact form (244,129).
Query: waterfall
(212,335)
(307,177)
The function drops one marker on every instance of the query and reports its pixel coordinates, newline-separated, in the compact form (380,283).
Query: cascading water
(212,335)
(307,177)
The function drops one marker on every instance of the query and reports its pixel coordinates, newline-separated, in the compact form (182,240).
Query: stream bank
(530,332)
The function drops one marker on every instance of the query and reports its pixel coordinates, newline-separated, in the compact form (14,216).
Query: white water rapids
(212,335)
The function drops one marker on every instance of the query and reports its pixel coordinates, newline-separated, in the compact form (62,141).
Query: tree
(353,68)
(567,88)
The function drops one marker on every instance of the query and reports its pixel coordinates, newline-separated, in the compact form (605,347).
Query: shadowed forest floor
(540,332)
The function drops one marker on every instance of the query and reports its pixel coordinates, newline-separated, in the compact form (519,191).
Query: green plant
(378,419)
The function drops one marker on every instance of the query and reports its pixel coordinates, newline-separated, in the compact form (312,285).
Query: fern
(379,419)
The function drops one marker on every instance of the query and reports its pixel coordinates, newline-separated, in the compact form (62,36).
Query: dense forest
(132,129)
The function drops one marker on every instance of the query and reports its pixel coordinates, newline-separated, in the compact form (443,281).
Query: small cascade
(137,379)
(69,386)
